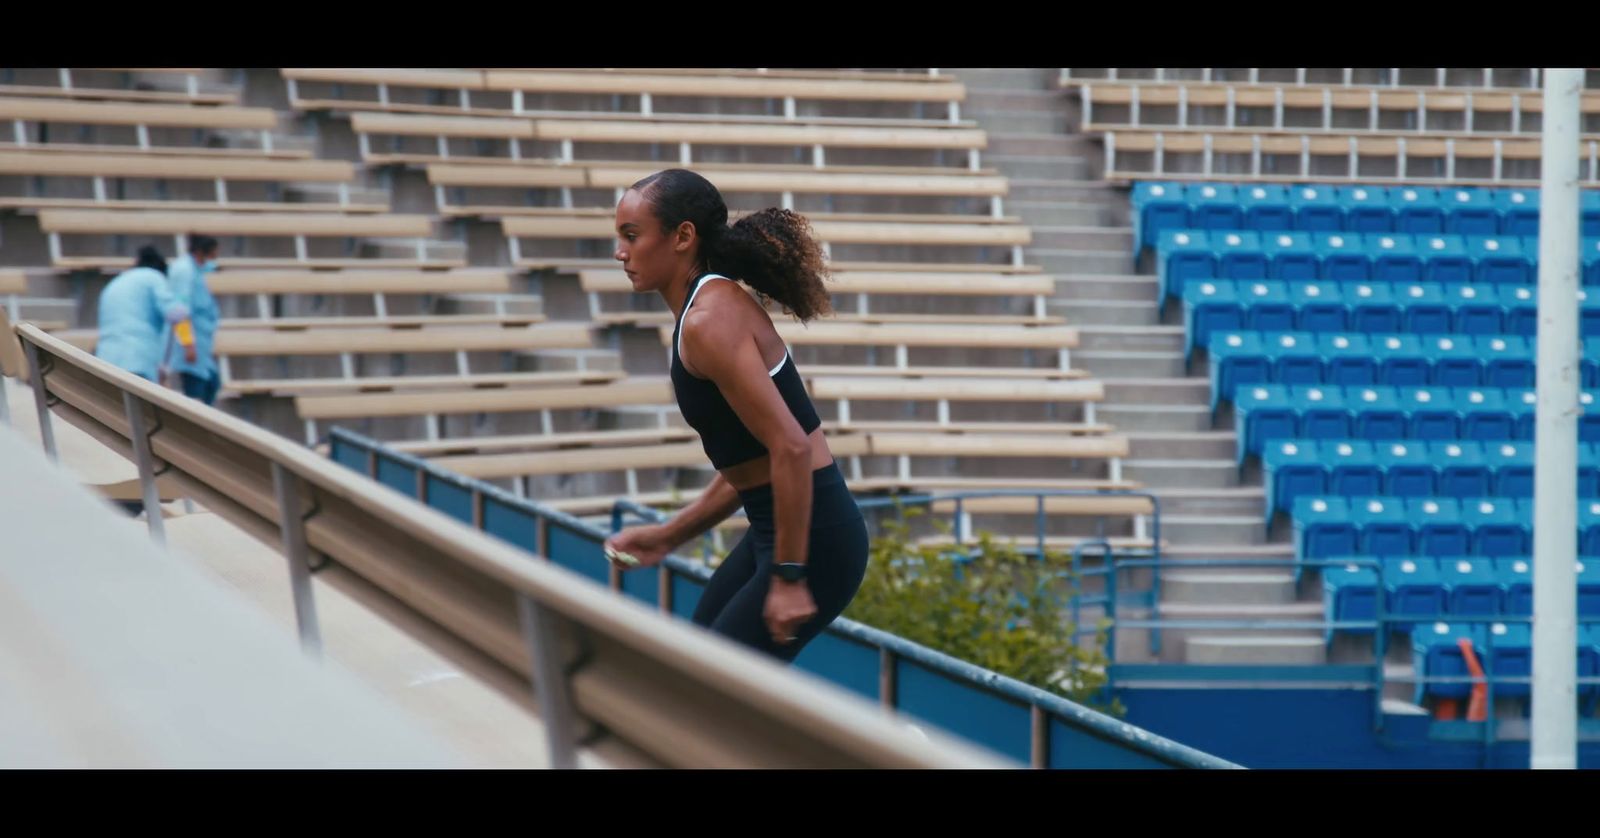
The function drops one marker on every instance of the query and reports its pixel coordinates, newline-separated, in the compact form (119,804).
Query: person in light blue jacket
(186,276)
(136,311)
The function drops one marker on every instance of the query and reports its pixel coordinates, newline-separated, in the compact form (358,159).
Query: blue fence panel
(578,552)
(353,457)
(685,595)
(1072,747)
(509,524)
(965,710)
(397,476)
(845,662)
(450,499)
(643,585)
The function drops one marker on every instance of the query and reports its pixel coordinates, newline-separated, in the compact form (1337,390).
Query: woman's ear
(683,238)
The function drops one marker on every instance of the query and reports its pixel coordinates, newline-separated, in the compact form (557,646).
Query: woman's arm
(715,504)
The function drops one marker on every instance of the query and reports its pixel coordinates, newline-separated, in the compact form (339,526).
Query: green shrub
(975,605)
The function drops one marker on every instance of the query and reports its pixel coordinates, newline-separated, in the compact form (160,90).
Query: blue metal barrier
(1017,719)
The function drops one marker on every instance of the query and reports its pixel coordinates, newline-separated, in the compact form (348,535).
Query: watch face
(791,572)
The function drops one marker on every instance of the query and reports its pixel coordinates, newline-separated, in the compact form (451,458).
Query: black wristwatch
(789,571)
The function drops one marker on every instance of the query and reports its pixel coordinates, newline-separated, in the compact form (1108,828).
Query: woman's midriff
(758,472)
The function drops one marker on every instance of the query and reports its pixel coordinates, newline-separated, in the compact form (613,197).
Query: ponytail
(773,251)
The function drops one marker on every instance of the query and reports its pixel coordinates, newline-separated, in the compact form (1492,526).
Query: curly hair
(773,251)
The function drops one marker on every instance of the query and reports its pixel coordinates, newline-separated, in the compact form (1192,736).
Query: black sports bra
(725,438)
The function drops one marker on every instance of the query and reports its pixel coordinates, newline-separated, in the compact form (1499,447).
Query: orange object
(184,332)
(1478,704)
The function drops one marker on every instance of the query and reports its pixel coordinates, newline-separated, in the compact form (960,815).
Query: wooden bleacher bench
(633,83)
(574,264)
(162,151)
(628,391)
(924,426)
(13,281)
(116,113)
(834,232)
(388,321)
(988,389)
(913,335)
(233,224)
(589,176)
(541,442)
(408,383)
(1348,148)
(31,162)
(120,95)
(263,338)
(471,280)
(1053,505)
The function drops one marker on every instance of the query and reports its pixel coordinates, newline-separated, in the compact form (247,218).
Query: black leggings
(836,561)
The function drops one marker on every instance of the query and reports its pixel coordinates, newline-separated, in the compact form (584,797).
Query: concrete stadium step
(1228,587)
(1132,287)
(1101,337)
(1031,144)
(1235,502)
(988,99)
(1159,391)
(46,309)
(1006,77)
(1105,312)
(1182,473)
(1062,213)
(1212,529)
(328,193)
(1308,651)
(568,360)
(1080,237)
(1067,189)
(1269,552)
(491,303)
(1155,417)
(1010,121)
(1042,166)
(391,248)
(1146,364)
(1201,445)
(1079,260)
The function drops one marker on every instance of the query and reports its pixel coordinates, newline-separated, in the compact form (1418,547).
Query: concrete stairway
(1082,236)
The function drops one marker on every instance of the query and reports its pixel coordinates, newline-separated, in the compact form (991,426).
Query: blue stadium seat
(1377,412)
(1438,528)
(1469,212)
(1408,470)
(1182,255)
(1352,467)
(1589,658)
(1454,361)
(1485,415)
(1401,362)
(1590,257)
(1413,589)
(1426,308)
(1498,528)
(1513,468)
(1349,594)
(1394,257)
(1215,206)
(1589,587)
(1436,653)
(1500,260)
(1589,529)
(1431,413)
(1323,528)
(1444,258)
(1346,360)
(1295,359)
(1519,211)
(1477,309)
(1157,207)
(1316,209)
(1462,470)
(1374,309)
(1472,585)
(1521,310)
(1236,358)
(1291,469)
(1266,208)
(1239,255)
(1588,469)
(1319,307)
(1263,413)
(1516,584)
(1507,360)
(1366,209)
(1416,210)
(1267,306)
(1210,305)
(1508,653)
(1290,256)
(1385,526)
(1589,207)
(1343,257)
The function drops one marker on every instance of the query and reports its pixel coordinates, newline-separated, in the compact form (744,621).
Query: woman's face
(650,257)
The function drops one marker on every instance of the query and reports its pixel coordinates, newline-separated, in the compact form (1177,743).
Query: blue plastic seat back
(1444,258)
(1366,209)
(1290,255)
(1438,526)
(1266,207)
(1469,212)
(1519,211)
(1377,412)
(1462,470)
(1316,208)
(1343,256)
